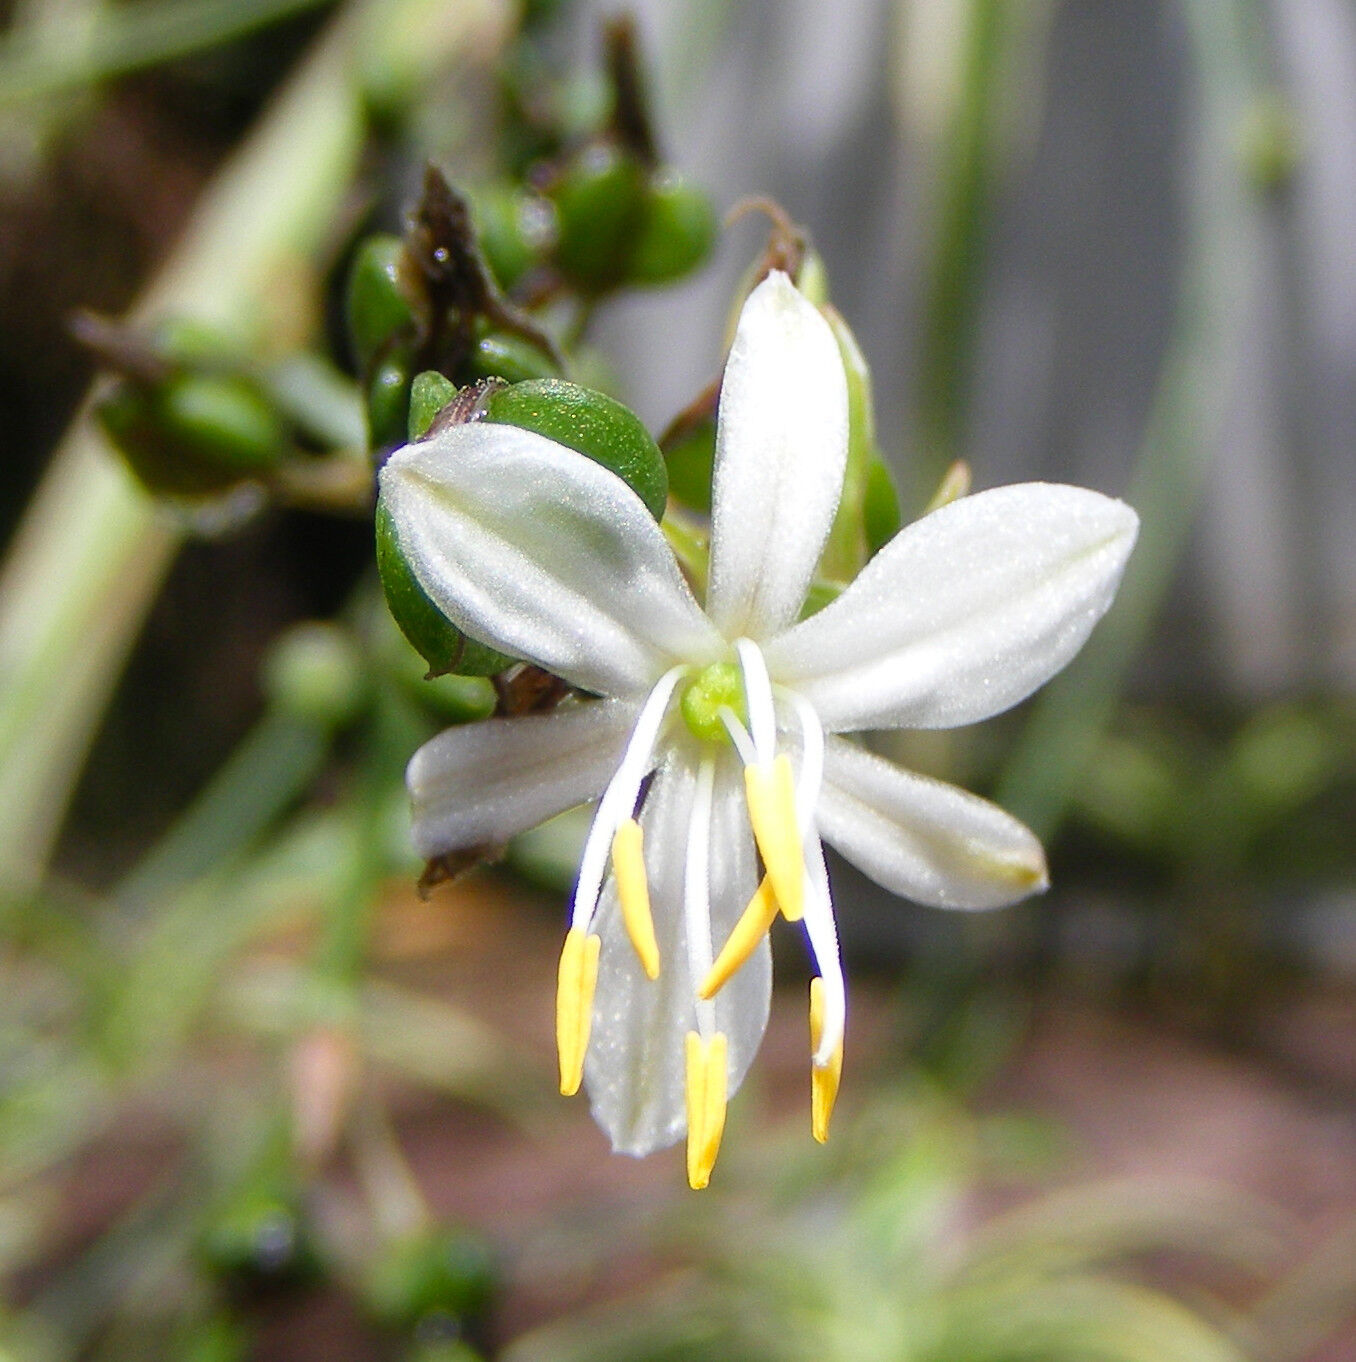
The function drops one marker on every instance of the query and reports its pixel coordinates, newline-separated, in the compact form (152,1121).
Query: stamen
(811,760)
(758,697)
(751,928)
(628,866)
(824,1078)
(619,799)
(819,927)
(739,735)
(771,794)
(697,890)
(707,1079)
(576,980)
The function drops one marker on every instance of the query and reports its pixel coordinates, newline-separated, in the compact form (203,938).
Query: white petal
(781,447)
(963,613)
(483,783)
(635,1069)
(538,550)
(923,839)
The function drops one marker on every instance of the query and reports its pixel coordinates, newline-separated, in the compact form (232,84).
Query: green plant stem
(93,549)
(130,38)
(1060,738)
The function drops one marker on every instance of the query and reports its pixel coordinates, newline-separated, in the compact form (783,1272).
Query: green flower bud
(195,435)
(600,201)
(437,640)
(388,403)
(315,671)
(690,457)
(880,506)
(676,232)
(435,1272)
(500,354)
(376,311)
(430,392)
(587,421)
(812,278)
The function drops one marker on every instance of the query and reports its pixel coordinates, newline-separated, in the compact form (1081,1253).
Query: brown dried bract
(527,689)
(453,864)
(449,283)
(631,123)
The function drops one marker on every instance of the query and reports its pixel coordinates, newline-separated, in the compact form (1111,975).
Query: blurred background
(258,1099)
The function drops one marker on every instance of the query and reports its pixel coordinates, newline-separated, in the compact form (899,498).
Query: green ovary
(717,687)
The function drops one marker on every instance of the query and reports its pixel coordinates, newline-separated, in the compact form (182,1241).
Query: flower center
(715,688)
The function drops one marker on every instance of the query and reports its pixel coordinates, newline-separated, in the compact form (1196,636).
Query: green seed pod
(430,392)
(125,412)
(195,435)
(499,354)
(376,311)
(437,640)
(515,229)
(315,672)
(587,421)
(436,1272)
(388,403)
(259,1238)
(880,506)
(226,421)
(190,341)
(600,201)
(677,229)
(458,699)
(690,457)
(451,698)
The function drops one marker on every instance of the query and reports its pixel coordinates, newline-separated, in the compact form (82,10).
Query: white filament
(758,697)
(823,934)
(739,735)
(697,891)
(619,799)
(811,775)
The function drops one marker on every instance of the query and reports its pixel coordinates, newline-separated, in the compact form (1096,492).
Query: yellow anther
(628,866)
(771,794)
(706,1092)
(824,1078)
(751,928)
(575,983)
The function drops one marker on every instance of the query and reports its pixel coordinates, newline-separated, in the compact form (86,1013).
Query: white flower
(666,973)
